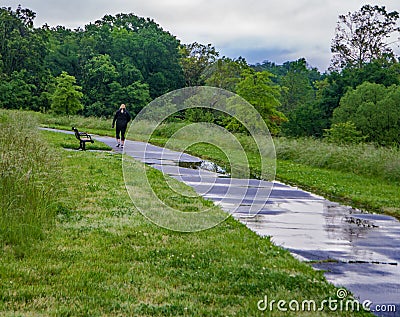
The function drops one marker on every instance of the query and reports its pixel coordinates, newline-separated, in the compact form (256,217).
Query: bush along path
(103,258)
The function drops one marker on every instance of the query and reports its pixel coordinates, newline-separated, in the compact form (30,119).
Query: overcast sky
(257,30)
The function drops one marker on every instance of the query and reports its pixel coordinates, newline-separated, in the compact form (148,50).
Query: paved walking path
(359,251)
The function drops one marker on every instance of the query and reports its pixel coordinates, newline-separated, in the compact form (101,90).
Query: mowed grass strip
(103,258)
(368,193)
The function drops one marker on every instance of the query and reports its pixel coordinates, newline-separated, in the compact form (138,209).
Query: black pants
(120,129)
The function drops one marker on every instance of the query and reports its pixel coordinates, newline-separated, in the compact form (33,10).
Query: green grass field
(101,257)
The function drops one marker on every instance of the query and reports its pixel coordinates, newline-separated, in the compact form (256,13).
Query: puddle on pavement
(204,165)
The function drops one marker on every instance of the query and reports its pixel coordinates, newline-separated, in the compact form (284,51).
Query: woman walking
(121,118)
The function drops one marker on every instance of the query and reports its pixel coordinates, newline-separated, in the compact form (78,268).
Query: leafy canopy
(259,90)
(67,95)
(375,111)
(363,36)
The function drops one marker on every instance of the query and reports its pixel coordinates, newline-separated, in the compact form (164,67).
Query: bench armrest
(85,135)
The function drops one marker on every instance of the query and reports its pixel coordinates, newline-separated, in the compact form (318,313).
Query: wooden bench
(83,138)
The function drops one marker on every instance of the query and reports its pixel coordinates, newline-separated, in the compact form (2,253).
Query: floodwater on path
(357,250)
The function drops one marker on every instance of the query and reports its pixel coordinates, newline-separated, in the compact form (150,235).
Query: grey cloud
(254,29)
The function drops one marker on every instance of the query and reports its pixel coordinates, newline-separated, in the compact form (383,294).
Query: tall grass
(28,183)
(360,159)
(95,125)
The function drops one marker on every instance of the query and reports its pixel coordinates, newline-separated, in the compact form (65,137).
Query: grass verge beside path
(69,141)
(368,193)
(29,178)
(99,126)
(103,258)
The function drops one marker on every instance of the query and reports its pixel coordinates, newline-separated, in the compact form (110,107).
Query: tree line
(129,59)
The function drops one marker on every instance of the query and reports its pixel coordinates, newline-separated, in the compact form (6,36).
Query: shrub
(344,133)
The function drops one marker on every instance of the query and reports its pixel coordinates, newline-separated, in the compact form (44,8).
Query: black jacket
(122,118)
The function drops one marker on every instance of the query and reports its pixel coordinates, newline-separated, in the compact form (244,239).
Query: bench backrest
(76,133)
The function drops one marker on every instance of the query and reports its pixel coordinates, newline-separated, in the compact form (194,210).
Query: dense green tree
(21,46)
(135,95)
(160,61)
(375,111)
(45,98)
(99,73)
(281,70)
(332,88)
(306,120)
(225,73)
(67,96)
(116,57)
(298,102)
(15,92)
(22,50)
(273,68)
(196,58)
(127,72)
(297,89)
(299,82)
(259,90)
(379,71)
(363,36)
(354,98)
(64,52)
(344,133)
(13,40)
